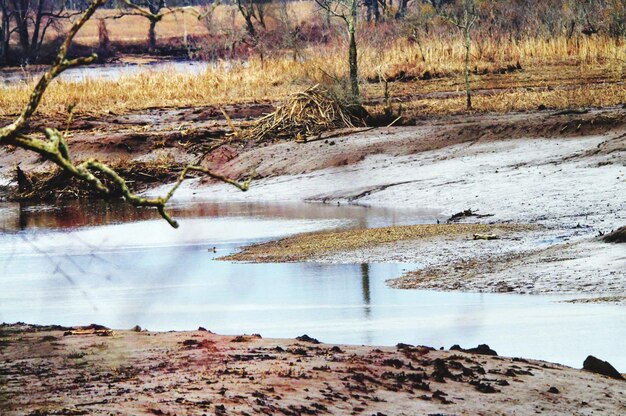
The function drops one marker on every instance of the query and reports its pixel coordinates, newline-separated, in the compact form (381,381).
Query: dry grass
(508,100)
(557,73)
(307,246)
(159,89)
(445,55)
(135,28)
(306,114)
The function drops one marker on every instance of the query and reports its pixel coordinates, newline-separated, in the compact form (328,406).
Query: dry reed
(546,63)
(306,114)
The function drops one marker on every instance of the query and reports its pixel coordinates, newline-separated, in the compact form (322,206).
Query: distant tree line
(546,18)
(26,25)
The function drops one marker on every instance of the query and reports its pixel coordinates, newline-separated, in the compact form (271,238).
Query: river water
(120,267)
(110,72)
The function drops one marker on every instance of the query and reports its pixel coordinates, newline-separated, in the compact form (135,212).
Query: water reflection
(142,272)
(365,287)
(16,217)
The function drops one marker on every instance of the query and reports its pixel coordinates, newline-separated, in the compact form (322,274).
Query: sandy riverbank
(563,173)
(55,370)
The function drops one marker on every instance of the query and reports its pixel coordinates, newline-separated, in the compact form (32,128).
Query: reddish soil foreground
(55,370)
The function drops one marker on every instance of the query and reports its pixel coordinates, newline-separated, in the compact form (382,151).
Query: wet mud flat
(94,370)
(561,171)
(174,137)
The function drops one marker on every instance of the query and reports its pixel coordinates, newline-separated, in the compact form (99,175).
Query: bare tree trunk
(372,9)
(151,10)
(4,32)
(250,26)
(260,14)
(464,23)
(402,10)
(152,34)
(247,12)
(31,21)
(348,14)
(468,45)
(352,52)
(34,42)
(20,16)
(104,42)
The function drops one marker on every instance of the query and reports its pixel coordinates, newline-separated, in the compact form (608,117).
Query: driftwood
(467,213)
(617,236)
(486,237)
(305,116)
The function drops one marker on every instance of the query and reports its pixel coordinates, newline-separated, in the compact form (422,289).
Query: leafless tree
(346,10)
(402,9)
(206,14)
(290,29)
(31,21)
(253,10)
(586,15)
(53,146)
(153,10)
(373,11)
(463,19)
(246,9)
(4,30)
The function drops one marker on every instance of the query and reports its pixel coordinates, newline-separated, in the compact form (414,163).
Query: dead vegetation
(52,145)
(559,73)
(56,184)
(305,115)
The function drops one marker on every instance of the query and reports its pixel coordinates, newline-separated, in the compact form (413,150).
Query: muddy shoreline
(94,370)
(563,171)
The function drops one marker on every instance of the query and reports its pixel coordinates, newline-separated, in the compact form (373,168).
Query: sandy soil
(128,372)
(561,172)
(585,267)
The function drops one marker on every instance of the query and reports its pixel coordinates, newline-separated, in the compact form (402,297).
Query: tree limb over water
(54,146)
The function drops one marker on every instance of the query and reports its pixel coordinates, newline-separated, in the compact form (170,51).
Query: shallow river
(119,267)
(111,72)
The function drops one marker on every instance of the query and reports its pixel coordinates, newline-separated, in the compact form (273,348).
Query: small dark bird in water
(214,250)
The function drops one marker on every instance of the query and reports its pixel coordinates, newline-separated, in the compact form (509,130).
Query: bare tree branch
(328,6)
(54,147)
